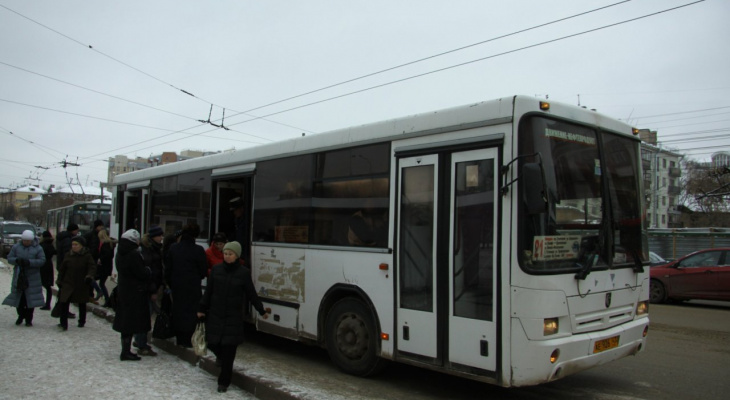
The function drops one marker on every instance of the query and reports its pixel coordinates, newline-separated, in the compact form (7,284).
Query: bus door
(447,259)
(135,204)
(232,213)
(418,205)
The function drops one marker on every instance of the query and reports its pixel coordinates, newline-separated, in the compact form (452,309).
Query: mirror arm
(505,168)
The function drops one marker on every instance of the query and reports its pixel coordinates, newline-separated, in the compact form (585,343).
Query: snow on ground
(43,362)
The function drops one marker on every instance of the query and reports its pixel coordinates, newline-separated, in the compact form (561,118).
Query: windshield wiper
(589,254)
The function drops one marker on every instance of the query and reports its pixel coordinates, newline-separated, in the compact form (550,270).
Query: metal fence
(674,243)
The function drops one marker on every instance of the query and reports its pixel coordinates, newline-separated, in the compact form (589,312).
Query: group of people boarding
(147,267)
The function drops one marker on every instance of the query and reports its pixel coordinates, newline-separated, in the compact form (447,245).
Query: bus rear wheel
(352,340)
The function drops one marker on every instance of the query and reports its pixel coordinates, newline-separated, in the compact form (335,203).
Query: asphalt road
(687,357)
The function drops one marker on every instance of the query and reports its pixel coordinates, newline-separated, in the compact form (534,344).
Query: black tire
(352,339)
(657,292)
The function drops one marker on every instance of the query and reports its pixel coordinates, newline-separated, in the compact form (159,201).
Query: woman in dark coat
(27,257)
(229,284)
(151,249)
(133,313)
(74,280)
(185,268)
(47,268)
(106,262)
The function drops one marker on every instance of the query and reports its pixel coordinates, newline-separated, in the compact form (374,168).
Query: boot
(127,354)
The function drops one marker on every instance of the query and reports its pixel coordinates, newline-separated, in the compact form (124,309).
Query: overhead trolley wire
(473,61)
(434,56)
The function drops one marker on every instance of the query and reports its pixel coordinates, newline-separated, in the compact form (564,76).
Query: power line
(683,112)
(132,101)
(475,61)
(96,91)
(86,116)
(105,55)
(434,56)
(39,146)
(447,68)
(432,72)
(131,67)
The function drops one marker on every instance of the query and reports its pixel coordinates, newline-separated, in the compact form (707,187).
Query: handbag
(163,326)
(199,345)
(163,323)
(22,282)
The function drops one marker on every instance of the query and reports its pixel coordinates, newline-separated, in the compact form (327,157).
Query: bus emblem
(608,300)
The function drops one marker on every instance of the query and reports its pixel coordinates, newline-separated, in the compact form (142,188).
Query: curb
(261,389)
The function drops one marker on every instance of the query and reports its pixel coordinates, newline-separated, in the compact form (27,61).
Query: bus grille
(603,319)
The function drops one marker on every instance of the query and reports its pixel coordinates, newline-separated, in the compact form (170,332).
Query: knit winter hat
(155,231)
(98,223)
(79,239)
(131,235)
(27,235)
(234,247)
(46,234)
(72,227)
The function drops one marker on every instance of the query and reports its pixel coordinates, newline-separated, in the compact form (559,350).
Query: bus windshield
(593,219)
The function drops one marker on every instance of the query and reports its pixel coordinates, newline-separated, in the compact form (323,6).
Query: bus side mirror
(533,188)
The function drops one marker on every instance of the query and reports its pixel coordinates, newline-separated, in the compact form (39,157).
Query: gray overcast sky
(668,72)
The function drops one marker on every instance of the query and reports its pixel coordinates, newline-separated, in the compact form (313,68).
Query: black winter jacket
(228,287)
(133,312)
(106,259)
(63,246)
(47,268)
(185,268)
(152,254)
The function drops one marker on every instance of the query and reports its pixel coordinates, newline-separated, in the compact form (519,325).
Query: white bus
(501,241)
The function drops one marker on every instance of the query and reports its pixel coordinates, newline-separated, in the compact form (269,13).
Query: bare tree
(705,195)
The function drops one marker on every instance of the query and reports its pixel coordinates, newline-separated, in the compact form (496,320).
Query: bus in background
(82,214)
(502,241)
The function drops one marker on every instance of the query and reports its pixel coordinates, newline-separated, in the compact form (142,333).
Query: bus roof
(456,118)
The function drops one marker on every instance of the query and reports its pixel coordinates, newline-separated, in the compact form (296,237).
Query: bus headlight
(550,326)
(642,308)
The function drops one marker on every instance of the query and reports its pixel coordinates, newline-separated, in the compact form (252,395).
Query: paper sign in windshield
(550,248)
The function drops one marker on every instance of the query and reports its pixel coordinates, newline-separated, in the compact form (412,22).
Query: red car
(704,274)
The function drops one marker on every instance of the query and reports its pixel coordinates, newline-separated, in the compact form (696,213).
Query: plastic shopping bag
(199,345)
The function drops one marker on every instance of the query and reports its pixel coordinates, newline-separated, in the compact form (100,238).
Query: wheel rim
(352,336)
(656,292)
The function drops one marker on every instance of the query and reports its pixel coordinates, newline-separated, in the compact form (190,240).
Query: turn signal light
(554,356)
(384,336)
(384,267)
(544,105)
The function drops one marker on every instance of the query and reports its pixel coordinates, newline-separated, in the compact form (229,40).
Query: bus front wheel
(352,338)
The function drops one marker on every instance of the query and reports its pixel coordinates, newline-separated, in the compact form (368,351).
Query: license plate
(605,344)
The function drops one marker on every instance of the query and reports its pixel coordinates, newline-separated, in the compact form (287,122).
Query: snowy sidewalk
(43,362)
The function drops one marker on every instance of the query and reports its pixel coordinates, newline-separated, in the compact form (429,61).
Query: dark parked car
(10,232)
(704,274)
